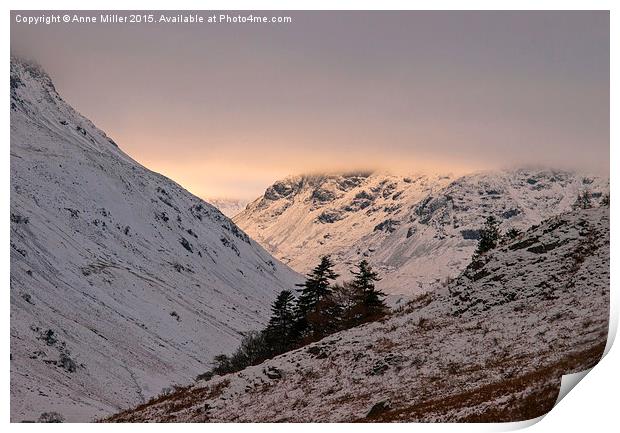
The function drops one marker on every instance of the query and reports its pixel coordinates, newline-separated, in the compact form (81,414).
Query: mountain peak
(122,282)
(23,71)
(415,229)
(34,100)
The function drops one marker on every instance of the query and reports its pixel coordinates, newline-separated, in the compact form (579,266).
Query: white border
(591,407)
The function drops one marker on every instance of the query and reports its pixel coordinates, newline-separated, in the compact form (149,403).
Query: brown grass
(183,398)
(532,394)
(384,344)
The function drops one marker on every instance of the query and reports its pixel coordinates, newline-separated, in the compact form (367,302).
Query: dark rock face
(471,234)
(318,352)
(273,373)
(427,207)
(388,226)
(378,408)
(280,190)
(322,195)
(329,217)
(350,181)
(411,231)
(510,213)
(364,195)
(185,243)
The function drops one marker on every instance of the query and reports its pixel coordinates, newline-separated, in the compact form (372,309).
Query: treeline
(322,307)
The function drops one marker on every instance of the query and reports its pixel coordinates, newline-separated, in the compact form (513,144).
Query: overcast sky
(226,109)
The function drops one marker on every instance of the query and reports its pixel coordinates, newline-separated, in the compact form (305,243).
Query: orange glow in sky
(226,110)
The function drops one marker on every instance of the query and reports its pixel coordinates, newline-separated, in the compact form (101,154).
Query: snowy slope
(490,346)
(122,282)
(416,230)
(228,206)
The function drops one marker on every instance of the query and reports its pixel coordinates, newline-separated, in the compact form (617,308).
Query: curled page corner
(569,381)
(613,326)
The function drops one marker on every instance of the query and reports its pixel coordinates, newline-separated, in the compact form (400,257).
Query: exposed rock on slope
(417,229)
(491,346)
(122,282)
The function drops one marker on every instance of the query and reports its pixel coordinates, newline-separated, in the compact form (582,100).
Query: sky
(227,109)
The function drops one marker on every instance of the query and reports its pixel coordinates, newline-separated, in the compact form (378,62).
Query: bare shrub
(51,417)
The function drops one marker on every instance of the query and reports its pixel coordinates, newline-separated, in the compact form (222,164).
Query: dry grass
(383,345)
(181,399)
(530,394)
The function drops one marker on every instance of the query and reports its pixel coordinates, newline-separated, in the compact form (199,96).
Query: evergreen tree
(222,365)
(512,234)
(279,331)
(347,297)
(317,286)
(489,235)
(320,310)
(315,289)
(605,200)
(370,299)
(252,350)
(584,200)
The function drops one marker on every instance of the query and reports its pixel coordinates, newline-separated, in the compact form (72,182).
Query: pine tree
(583,201)
(512,234)
(605,200)
(348,298)
(317,287)
(222,364)
(370,299)
(489,235)
(325,318)
(252,350)
(279,331)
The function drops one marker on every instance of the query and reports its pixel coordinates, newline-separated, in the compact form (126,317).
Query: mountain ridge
(122,282)
(420,228)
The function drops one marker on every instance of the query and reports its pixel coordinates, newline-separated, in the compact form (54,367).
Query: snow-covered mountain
(228,206)
(416,230)
(122,282)
(490,346)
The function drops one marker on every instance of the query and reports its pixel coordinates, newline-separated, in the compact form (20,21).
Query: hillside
(122,282)
(229,207)
(411,228)
(490,346)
